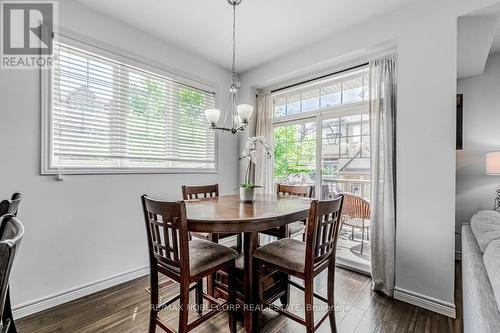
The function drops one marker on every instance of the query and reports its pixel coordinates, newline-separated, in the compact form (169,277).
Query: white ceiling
(487,13)
(475,38)
(266,29)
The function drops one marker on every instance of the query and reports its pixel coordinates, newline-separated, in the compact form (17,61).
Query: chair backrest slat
(323,228)
(202,191)
(167,232)
(296,190)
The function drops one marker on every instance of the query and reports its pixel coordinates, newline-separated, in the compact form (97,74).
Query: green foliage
(191,111)
(249,185)
(148,102)
(293,154)
(190,104)
(147,98)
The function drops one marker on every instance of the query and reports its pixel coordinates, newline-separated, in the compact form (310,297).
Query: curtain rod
(319,78)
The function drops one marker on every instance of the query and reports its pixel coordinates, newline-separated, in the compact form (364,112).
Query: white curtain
(264,128)
(383,104)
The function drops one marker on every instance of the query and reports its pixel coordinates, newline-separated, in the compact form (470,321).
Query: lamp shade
(245,112)
(212,115)
(493,163)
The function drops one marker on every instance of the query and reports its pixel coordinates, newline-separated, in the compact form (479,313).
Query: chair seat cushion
(288,253)
(296,228)
(202,235)
(204,255)
(205,235)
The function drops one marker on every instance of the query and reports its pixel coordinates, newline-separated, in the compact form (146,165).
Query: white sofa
(481,273)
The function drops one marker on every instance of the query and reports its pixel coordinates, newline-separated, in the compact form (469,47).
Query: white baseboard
(44,303)
(426,302)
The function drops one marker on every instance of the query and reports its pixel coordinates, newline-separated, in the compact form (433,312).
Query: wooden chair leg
(210,279)
(210,284)
(152,322)
(183,308)
(330,296)
(285,299)
(231,297)
(309,304)
(199,297)
(7,317)
(257,293)
(153,313)
(239,243)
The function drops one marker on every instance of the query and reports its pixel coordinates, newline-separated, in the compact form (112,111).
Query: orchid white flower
(251,151)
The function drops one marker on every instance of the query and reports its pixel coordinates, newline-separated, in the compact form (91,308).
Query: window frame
(318,116)
(339,79)
(128,59)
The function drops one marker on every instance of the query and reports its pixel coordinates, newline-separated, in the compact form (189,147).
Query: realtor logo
(27,33)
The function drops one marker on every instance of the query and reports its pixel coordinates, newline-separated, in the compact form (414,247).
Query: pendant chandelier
(239,114)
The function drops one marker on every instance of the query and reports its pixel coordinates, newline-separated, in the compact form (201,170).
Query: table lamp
(493,168)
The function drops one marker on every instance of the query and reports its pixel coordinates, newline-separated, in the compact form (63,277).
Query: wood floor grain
(124,309)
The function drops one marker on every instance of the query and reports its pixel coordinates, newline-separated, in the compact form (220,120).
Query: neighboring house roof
(353,163)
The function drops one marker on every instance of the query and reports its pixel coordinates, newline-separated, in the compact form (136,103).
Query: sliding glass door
(322,139)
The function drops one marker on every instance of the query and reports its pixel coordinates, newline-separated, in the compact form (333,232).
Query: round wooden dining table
(226,214)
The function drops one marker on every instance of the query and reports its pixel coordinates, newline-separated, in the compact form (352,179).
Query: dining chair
(356,214)
(295,228)
(10,237)
(9,206)
(305,260)
(203,192)
(186,262)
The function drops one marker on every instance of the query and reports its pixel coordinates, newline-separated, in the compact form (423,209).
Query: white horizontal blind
(107,114)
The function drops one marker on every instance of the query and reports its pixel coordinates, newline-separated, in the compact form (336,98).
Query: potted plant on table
(247,188)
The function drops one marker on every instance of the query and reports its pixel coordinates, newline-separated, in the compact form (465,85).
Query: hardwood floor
(124,309)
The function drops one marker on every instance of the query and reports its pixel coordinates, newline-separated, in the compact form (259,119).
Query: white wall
(426,38)
(88,228)
(475,189)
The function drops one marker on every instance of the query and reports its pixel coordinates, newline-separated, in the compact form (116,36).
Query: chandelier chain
(234,43)
(238,118)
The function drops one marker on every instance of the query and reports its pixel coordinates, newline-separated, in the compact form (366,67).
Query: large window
(108,116)
(322,135)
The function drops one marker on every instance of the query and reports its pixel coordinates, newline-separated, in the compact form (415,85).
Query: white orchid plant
(249,154)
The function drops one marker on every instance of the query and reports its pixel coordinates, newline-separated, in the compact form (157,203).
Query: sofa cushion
(491,258)
(480,308)
(485,225)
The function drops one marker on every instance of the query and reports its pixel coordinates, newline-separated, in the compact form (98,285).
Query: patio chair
(356,214)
